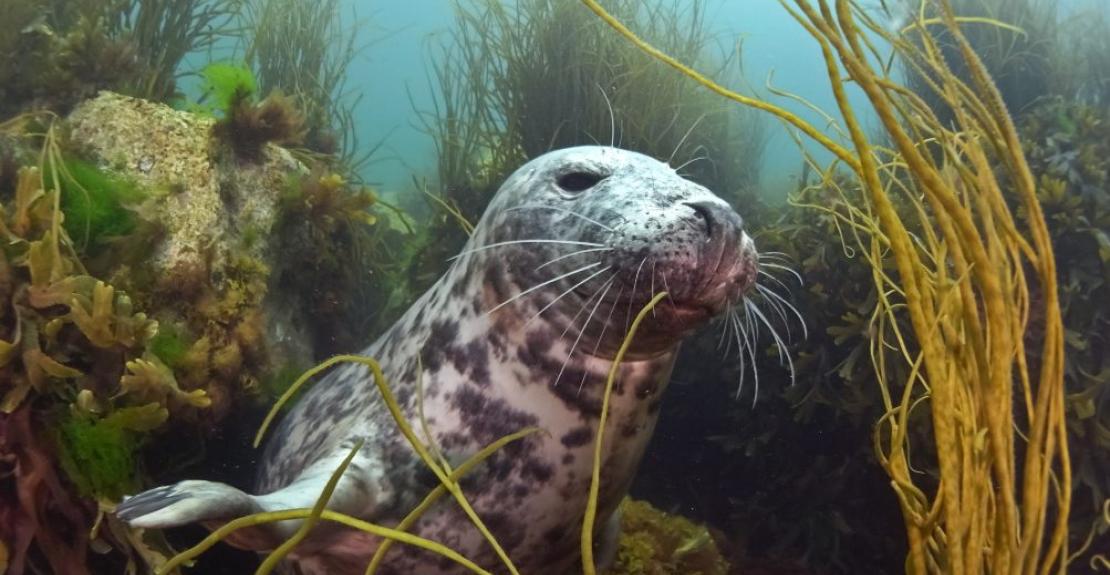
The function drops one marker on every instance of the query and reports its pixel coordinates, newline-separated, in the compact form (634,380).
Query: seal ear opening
(578,181)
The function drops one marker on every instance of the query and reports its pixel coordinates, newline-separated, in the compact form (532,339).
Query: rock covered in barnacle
(211,264)
(209,202)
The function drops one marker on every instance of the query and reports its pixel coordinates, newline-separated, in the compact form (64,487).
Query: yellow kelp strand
(435,494)
(589,519)
(275,516)
(278,554)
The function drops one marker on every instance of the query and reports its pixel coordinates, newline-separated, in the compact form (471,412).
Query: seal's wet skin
(520,332)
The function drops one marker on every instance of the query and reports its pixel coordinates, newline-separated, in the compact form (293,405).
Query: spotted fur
(489,368)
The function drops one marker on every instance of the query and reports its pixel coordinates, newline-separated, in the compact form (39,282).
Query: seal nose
(722,253)
(720,220)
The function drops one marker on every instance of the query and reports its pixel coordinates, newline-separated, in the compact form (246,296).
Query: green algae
(656,543)
(98,456)
(223,80)
(94,203)
(170,344)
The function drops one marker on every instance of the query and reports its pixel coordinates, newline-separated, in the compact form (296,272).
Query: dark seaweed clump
(341,259)
(303,48)
(1068,145)
(247,126)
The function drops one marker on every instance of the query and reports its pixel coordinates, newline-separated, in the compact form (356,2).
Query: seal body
(519,333)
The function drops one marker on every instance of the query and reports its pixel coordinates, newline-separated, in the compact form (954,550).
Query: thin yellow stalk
(588,567)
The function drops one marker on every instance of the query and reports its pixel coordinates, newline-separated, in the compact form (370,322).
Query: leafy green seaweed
(222,83)
(98,456)
(170,344)
(94,203)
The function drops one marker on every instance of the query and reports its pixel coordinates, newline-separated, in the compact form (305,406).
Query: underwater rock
(216,216)
(208,201)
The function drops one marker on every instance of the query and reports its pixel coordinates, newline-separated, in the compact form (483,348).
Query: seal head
(637,228)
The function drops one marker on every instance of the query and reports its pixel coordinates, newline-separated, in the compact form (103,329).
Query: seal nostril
(706,214)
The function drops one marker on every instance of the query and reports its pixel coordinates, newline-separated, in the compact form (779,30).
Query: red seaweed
(40,520)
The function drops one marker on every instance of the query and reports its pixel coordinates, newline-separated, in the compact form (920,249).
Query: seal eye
(578,181)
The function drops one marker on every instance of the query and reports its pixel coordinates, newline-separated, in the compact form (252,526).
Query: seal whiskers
(570,255)
(774,334)
(516,242)
(600,338)
(564,294)
(549,282)
(783,268)
(782,304)
(604,289)
(566,211)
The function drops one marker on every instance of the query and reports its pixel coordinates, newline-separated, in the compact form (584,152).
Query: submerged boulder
(209,201)
(208,269)
(653,542)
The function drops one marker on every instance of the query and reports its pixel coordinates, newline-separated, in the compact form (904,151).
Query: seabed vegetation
(125,342)
(956,264)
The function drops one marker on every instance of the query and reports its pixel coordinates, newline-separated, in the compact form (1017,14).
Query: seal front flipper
(214,504)
(185,502)
(206,502)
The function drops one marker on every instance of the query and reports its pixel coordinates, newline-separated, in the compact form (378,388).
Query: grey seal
(521,331)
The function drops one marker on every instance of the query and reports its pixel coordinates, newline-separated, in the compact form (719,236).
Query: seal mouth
(733,275)
(691,313)
(723,287)
(702,259)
